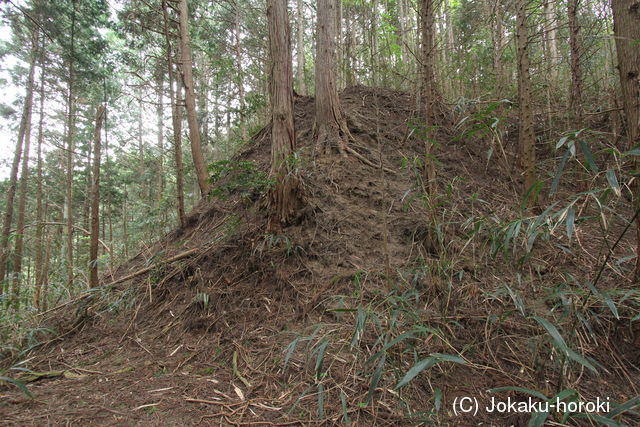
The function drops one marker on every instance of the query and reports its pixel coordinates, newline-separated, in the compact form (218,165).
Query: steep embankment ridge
(321,323)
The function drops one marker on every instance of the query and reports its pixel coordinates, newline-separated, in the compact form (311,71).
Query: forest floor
(319,324)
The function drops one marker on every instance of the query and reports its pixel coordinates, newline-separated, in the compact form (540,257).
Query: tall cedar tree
(22,201)
(526,137)
(284,197)
(192,118)
(176,117)
(429,93)
(95,201)
(626,26)
(330,127)
(25,124)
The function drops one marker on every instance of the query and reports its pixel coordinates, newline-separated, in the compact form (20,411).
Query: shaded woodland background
(356,210)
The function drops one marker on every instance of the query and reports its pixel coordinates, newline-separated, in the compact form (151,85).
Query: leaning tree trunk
(176,119)
(284,198)
(330,128)
(626,27)
(192,119)
(526,138)
(13,177)
(22,203)
(95,201)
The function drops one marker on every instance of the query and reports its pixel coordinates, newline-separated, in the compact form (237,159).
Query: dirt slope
(251,328)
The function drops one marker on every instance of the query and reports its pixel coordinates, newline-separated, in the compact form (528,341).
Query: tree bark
(13,177)
(330,128)
(429,92)
(498,49)
(71,124)
(95,201)
(626,27)
(176,118)
(192,119)
(160,129)
(575,92)
(22,201)
(550,23)
(284,198)
(239,76)
(39,244)
(526,137)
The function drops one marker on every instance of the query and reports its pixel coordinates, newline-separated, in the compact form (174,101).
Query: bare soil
(161,348)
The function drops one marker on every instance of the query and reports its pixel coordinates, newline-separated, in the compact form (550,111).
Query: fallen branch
(133,275)
(142,271)
(365,160)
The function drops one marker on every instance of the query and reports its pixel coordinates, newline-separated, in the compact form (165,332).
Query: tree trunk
(22,201)
(302,86)
(71,124)
(348,62)
(39,244)
(176,118)
(626,27)
(402,32)
(45,273)
(498,49)
(13,177)
(551,42)
(95,201)
(284,198)
(526,137)
(575,93)
(330,127)
(239,76)
(429,92)
(192,119)
(160,129)
(373,42)
(109,182)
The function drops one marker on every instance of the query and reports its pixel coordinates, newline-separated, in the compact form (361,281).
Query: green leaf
(320,358)
(561,345)
(399,338)
(571,218)
(361,321)
(23,388)
(607,300)
(635,151)
(538,419)
(415,370)
(375,379)
(448,358)
(588,155)
(613,181)
(600,419)
(631,403)
(437,399)
(290,349)
(561,142)
(320,401)
(427,363)
(556,179)
(345,412)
